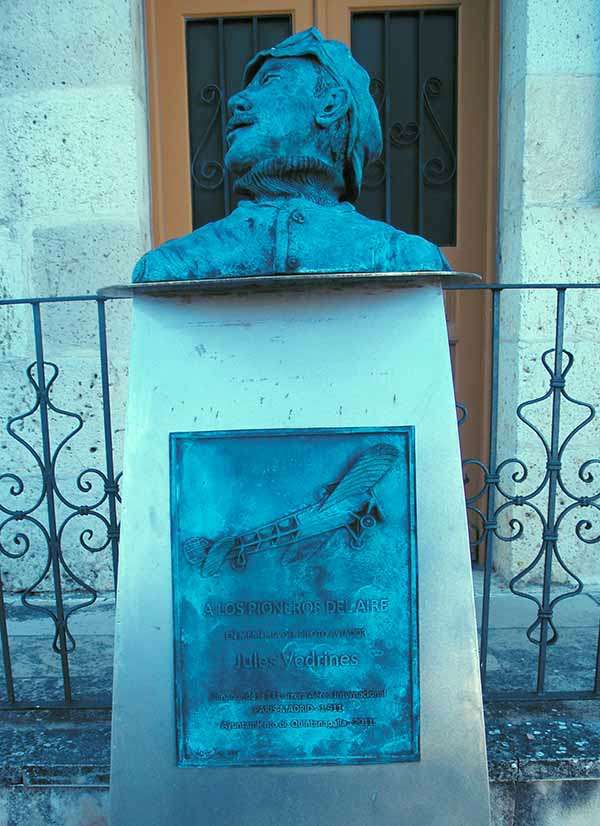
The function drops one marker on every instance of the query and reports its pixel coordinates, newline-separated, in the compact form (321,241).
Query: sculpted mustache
(236,123)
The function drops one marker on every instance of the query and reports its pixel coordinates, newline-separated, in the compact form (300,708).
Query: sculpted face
(275,115)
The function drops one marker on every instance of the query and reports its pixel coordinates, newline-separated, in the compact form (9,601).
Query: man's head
(306,97)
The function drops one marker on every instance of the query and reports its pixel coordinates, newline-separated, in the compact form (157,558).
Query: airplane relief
(348,504)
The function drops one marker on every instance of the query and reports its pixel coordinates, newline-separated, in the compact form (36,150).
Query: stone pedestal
(295,353)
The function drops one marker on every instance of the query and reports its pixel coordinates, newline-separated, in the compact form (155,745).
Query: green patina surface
(294,583)
(300,135)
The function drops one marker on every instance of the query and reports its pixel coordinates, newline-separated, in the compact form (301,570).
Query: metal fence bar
(223,114)
(597,670)
(421,122)
(550,536)
(111,485)
(543,631)
(48,480)
(490,489)
(6,658)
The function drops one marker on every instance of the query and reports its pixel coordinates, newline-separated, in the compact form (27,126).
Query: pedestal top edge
(269,283)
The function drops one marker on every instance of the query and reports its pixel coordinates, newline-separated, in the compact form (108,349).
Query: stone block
(57,45)
(14,320)
(563,38)
(512,125)
(56,806)
(513,28)
(138,49)
(12,277)
(78,258)
(561,138)
(502,803)
(582,314)
(556,803)
(536,317)
(508,397)
(509,246)
(560,244)
(70,153)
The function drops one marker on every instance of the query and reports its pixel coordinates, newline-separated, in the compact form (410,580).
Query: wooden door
(434,71)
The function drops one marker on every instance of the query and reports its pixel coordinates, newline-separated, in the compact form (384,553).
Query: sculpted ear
(333,105)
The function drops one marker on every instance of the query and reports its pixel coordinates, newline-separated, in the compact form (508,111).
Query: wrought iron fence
(45,519)
(510,494)
(516,662)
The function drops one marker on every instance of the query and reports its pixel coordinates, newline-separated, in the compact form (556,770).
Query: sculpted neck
(298,177)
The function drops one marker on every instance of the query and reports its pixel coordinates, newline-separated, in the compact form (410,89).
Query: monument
(295,638)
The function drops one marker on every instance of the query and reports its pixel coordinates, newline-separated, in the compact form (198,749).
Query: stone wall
(74,216)
(74,210)
(549,230)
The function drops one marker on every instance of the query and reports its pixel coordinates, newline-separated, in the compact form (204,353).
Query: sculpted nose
(238,104)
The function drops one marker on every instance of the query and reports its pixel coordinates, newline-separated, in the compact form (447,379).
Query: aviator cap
(364,138)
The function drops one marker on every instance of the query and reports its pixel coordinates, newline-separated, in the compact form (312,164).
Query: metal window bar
(418,121)
(487,505)
(217,48)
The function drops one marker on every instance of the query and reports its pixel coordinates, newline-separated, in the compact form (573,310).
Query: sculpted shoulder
(395,250)
(239,244)
(176,260)
(168,262)
(413,252)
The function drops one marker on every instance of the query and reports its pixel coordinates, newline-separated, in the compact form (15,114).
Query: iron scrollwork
(208,174)
(541,501)
(435,171)
(19,526)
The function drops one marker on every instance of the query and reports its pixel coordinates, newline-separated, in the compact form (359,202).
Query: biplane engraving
(349,504)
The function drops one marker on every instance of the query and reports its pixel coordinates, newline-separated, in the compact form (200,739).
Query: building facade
(111,121)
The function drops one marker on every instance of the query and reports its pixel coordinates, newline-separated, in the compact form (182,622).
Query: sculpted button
(298,217)
(293,263)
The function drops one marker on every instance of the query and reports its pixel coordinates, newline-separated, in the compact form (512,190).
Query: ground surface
(525,741)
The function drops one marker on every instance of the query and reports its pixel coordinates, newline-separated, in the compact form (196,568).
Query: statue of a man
(300,134)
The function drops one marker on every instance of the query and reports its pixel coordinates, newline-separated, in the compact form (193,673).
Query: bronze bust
(299,134)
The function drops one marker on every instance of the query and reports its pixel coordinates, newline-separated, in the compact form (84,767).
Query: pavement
(526,741)
(37,670)
(512,658)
